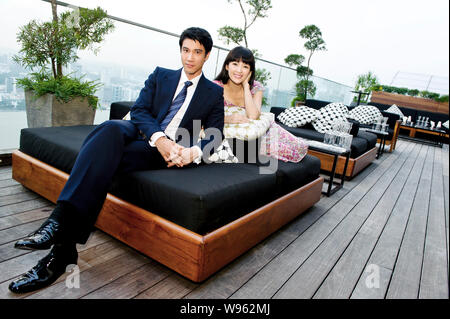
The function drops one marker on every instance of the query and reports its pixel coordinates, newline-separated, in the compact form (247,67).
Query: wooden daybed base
(355,165)
(190,254)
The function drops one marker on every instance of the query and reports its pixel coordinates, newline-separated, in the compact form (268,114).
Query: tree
(314,43)
(257,9)
(46,47)
(56,42)
(366,83)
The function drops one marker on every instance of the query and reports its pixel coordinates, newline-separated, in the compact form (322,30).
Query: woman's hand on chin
(246,83)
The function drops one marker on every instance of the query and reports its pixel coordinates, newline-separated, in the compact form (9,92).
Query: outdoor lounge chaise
(394,120)
(194,220)
(363,148)
(414,113)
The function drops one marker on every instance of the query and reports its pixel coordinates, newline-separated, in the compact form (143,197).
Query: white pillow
(328,114)
(298,116)
(247,131)
(365,114)
(395,110)
(445,125)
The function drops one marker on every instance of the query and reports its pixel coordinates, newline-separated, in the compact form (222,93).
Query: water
(12,122)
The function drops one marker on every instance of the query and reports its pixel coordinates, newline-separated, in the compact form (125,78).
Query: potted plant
(52,98)
(365,84)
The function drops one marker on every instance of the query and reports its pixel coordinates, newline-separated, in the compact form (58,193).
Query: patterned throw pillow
(365,114)
(247,131)
(445,125)
(298,116)
(223,154)
(394,109)
(328,114)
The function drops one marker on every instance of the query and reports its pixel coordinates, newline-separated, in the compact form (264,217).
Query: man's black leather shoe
(47,270)
(41,239)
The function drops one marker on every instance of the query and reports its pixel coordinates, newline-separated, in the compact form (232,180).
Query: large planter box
(47,111)
(417,103)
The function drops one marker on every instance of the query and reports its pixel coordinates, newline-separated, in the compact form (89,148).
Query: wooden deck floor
(384,235)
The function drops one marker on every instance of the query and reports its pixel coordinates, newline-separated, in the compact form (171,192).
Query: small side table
(336,152)
(382,135)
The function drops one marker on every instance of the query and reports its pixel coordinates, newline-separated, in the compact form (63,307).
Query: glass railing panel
(125,59)
(284,92)
(332,91)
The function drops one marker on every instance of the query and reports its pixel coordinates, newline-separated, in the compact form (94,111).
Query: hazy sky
(383,36)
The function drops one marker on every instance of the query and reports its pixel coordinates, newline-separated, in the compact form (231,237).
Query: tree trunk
(54,12)
(307,75)
(58,73)
(245,23)
(55,75)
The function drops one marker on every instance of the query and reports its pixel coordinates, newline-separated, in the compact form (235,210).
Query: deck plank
(20,207)
(405,280)
(7,183)
(96,277)
(11,190)
(132,284)
(17,198)
(305,281)
(445,175)
(172,287)
(434,279)
(99,249)
(375,220)
(385,253)
(341,281)
(232,277)
(269,280)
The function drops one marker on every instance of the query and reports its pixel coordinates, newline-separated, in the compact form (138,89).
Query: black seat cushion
(369,137)
(199,198)
(57,146)
(120,109)
(290,175)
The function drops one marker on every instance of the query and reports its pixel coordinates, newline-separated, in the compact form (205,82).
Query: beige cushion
(247,131)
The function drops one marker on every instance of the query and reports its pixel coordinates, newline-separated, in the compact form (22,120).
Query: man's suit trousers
(114,147)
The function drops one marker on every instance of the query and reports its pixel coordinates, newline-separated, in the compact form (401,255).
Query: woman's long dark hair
(238,54)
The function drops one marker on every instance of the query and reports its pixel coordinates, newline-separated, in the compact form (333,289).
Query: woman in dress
(241,90)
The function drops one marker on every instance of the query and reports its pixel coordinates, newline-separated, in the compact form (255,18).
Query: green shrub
(64,88)
(442,99)
(413,92)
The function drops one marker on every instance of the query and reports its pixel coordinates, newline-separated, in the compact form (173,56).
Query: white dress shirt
(171,129)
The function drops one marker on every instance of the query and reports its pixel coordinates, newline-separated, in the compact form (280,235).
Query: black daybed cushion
(369,137)
(199,198)
(120,109)
(57,146)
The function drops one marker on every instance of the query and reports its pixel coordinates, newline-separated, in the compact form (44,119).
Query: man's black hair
(198,34)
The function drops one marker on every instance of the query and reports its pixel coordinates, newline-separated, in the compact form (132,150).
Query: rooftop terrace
(384,235)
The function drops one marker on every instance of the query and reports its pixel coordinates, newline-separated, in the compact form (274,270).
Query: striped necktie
(176,105)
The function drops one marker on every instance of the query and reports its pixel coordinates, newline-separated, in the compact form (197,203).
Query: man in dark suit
(173,104)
